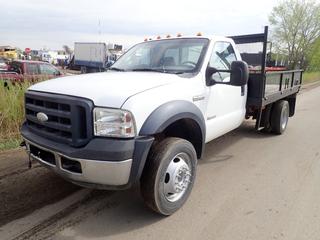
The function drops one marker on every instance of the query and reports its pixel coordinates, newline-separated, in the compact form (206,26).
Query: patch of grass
(10,144)
(310,77)
(11,113)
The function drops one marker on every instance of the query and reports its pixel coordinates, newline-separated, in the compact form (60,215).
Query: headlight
(113,123)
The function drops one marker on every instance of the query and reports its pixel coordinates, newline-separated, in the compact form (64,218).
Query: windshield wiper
(146,70)
(116,69)
(155,70)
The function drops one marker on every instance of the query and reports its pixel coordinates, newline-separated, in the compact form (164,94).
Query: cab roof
(209,37)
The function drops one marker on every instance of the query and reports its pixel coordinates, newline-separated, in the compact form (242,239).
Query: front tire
(169,175)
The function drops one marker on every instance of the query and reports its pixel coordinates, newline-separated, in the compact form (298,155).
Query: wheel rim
(284,117)
(177,178)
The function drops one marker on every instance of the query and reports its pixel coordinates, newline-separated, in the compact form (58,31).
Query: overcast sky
(51,24)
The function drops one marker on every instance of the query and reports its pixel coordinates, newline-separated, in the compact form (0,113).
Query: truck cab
(144,121)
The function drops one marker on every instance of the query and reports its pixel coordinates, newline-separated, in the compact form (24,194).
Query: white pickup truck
(148,118)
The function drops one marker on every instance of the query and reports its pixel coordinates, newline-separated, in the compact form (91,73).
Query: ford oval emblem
(42,117)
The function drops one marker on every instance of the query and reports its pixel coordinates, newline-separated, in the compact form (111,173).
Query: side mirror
(239,73)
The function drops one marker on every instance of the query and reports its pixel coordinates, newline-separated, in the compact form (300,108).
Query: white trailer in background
(91,57)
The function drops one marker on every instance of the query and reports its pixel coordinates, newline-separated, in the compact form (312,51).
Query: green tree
(314,57)
(295,27)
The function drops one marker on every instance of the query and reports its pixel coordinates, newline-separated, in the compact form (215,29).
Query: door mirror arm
(210,71)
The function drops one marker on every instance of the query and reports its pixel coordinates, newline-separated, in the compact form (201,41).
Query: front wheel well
(187,129)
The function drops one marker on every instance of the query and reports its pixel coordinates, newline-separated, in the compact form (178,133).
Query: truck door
(226,104)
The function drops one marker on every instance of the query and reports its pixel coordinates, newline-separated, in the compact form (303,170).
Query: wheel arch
(177,119)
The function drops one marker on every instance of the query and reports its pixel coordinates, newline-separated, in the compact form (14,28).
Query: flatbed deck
(265,86)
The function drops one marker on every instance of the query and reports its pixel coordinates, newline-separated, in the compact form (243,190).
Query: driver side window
(221,58)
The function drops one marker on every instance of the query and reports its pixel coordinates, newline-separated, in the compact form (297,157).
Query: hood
(108,89)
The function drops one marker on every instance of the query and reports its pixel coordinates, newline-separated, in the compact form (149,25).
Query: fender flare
(171,112)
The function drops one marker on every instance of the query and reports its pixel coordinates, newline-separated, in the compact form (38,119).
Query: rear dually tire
(280,116)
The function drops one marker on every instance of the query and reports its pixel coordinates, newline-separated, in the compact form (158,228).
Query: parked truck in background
(91,57)
(94,57)
(148,118)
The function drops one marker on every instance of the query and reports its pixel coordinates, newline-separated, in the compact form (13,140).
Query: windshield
(169,56)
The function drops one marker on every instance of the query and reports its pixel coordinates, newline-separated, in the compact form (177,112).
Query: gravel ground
(22,190)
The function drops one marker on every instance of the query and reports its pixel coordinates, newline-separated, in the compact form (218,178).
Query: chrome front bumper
(86,172)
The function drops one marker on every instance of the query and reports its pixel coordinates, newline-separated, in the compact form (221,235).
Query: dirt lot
(23,190)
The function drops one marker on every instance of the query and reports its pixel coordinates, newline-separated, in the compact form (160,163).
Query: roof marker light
(158,37)
(199,34)
(146,39)
(179,35)
(168,36)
